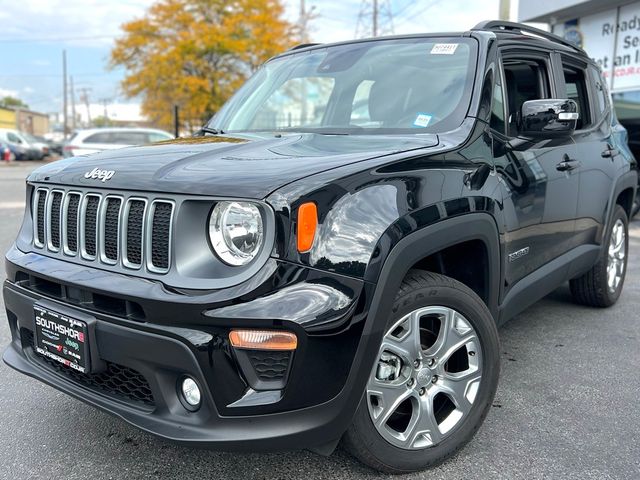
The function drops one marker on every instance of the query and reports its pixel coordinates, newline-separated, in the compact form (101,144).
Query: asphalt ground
(567,404)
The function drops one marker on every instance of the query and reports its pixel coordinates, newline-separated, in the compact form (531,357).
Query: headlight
(236,232)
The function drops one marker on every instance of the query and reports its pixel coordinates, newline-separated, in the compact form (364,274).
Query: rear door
(540,195)
(582,83)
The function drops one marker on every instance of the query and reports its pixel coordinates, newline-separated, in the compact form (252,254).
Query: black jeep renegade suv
(330,258)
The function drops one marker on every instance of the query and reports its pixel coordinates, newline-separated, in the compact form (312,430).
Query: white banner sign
(611,38)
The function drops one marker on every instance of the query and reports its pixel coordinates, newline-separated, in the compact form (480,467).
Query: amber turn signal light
(263,340)
(307,223)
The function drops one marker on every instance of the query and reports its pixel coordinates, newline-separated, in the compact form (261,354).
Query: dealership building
(609,31)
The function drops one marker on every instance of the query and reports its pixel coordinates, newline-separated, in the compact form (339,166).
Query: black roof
(517,31)
(503,30)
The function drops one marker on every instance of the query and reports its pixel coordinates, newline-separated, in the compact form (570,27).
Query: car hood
(223,165)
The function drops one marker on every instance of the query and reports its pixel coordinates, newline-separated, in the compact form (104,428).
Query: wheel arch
(623,194)
(421,244)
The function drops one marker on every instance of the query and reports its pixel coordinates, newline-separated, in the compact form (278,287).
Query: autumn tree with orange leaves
(196,53)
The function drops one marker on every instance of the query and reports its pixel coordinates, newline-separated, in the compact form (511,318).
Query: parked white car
(84,142)
(20,140)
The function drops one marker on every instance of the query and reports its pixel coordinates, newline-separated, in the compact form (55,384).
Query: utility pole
(73,104)
(176,121)
(505,13)
(84,97)
(105,102)
(305,16)
(64,94)
(374,20)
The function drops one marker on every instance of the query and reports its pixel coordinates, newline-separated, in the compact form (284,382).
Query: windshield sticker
(422,120)
(444,49)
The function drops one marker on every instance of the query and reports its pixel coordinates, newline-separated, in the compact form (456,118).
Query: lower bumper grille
(270,366)
(117,380)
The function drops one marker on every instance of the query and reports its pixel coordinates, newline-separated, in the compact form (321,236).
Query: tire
(423,299)
(594,287)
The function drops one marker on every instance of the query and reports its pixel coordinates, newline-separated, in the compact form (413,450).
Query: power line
(374,19)
(56,39)
(417,11)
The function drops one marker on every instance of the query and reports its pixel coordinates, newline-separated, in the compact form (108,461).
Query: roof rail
(519,27)
(303,45)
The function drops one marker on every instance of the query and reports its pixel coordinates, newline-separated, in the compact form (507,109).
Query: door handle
(567,164)
(609,152)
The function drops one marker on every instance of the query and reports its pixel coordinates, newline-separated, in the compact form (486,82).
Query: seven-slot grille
(107,228)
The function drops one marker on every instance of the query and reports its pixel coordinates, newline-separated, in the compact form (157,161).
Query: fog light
(191,392)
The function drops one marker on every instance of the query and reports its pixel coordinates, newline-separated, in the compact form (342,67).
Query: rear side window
(575,79)
(129,138)
(600,90)
(102,137)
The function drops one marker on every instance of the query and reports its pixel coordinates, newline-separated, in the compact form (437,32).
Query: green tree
(12,102)
(196,53)
(102,121)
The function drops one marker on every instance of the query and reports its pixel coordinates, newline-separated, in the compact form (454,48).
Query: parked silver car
(84,142)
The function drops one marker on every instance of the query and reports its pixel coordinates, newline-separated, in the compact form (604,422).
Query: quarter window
(497,108)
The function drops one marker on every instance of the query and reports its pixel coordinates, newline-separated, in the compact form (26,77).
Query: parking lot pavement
(567,405)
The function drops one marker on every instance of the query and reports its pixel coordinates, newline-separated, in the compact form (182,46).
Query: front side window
(410,85)
(525,80)
(13,138)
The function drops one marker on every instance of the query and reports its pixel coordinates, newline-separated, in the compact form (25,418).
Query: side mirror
(548,118)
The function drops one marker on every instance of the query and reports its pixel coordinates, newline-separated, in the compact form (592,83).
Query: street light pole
(65,128)
(505,12)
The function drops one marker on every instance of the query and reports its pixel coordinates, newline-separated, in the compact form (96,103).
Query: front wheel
(434,379)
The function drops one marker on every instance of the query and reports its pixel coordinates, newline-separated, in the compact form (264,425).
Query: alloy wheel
(617,253)
(426,379)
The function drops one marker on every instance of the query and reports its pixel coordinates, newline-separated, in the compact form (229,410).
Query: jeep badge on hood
(103,175)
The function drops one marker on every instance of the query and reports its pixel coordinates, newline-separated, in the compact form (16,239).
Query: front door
(539,177)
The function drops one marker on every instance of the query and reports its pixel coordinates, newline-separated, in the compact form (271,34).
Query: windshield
(411,85)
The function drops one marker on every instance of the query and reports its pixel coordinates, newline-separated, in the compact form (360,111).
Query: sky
(35,32)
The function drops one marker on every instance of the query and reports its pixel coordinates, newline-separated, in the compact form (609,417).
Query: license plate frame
(62,338)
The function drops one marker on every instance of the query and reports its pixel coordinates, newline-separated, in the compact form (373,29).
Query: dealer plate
(62,338)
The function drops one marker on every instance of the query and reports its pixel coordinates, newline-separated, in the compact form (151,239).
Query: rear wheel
(601,286)
(434,380)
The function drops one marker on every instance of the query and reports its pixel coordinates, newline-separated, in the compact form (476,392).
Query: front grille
(56,203)
(105,228)
(111,224)
(160,235)
(41,202)
(134,223)
(90,224)
(71,222)
(116,380)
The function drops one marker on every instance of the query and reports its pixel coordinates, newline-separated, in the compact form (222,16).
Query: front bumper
(186,334)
